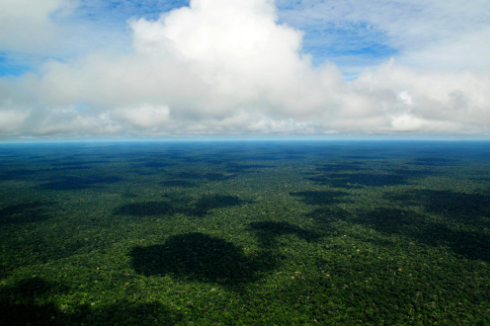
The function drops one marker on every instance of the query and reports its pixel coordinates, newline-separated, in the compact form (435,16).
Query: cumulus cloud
(28,25)
(145,116)
(228,67)
(11,120)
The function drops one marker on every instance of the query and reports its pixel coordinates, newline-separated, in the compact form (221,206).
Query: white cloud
(144,117)
(27,25)
(228,67)
(407,122)
(11,120)
(468,51)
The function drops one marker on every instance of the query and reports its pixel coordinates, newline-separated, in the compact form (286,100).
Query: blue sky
(111,16)
(244,68)
(348,45)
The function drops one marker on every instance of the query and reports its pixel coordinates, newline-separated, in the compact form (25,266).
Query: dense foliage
(314,233)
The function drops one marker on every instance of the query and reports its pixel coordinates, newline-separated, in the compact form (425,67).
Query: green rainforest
(245,233)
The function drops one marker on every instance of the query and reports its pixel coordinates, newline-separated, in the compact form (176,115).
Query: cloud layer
(228,67)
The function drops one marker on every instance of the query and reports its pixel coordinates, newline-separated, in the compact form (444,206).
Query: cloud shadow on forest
(268,232)
(197,208)
(25,213)
(78,183)
(203,258)
(19,306)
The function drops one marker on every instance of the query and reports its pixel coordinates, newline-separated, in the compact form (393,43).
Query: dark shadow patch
(68,168)
(191,159)
(337,183)
(189,175)
(19,307)
(410,173)
(170,153)
(232,150)
(433,161)
(196,208)
(327,215)
(208,203)
(485,179)
(218,176)
(200,257)
(146,172)
(155,164)
(179,183)
(78,183)
(246,168)
(469,209)
(359,180)
(261,158)
(79,163)
(18,174)
(147,209)
(268,231)
(390,220)
(208,176)
(128,194)
(32,249)
(128,313)
(320,197)
(18,303)
(362,157)
(34,288)
(24,213)
(216,161)
(339,167)
(467,243)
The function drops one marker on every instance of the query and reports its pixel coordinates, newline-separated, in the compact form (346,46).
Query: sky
(143,69)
